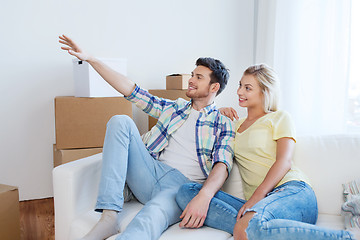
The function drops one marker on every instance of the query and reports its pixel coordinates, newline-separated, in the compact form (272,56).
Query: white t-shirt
(181,150)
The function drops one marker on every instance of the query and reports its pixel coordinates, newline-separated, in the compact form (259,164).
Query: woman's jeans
(125,158)
(288,212)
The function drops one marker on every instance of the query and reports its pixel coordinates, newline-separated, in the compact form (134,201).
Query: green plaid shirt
(215,133)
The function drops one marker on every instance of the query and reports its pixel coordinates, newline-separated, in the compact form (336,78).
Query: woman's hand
(255,198)
(229,112)
(73,49)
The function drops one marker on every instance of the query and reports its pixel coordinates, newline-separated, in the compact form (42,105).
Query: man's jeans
(125,158)
(288,212)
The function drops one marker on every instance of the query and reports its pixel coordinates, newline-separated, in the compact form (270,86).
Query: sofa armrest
(75,191)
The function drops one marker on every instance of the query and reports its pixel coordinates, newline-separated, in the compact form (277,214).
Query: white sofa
(329,161)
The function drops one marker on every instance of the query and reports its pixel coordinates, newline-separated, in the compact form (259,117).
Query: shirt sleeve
(149,103)
(283,126)
(224,146)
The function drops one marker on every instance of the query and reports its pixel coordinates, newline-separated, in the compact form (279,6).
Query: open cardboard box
(177,81)
(88,82)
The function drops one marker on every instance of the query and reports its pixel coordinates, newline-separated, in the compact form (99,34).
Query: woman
(280,203)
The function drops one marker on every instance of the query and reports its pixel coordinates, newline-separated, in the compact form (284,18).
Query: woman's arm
(284,154)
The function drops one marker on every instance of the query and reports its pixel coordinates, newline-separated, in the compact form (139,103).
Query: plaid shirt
(214,133)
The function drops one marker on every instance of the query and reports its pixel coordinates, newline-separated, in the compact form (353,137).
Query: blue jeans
(155,184)
(288,212)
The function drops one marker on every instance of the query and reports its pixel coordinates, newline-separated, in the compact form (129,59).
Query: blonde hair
(268,82)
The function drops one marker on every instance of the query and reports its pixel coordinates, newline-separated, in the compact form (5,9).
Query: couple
(178,167)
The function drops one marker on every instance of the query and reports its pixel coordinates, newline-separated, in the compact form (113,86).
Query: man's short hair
(220,74)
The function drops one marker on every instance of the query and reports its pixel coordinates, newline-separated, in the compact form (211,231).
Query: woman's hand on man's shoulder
(229,112)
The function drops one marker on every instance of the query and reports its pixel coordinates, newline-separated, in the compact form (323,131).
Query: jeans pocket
(288,188)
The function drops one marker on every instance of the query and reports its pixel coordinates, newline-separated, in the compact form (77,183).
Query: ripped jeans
(288,212)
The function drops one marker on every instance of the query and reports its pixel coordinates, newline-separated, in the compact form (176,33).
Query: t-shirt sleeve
(283,126)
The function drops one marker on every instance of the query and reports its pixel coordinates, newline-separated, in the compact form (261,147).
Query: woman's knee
(186,193)
(242,227)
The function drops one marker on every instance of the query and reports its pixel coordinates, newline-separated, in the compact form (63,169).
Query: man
(191,141)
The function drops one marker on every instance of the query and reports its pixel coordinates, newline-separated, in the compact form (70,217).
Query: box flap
(178,74)
(6,188)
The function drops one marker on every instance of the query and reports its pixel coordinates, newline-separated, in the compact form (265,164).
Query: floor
(37,219)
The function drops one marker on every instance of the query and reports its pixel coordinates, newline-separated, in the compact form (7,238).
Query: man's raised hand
(72,48)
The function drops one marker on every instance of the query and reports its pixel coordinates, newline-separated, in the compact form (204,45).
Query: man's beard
(197,94)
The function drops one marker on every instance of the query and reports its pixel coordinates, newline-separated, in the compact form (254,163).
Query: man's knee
(118,120)
(162,210)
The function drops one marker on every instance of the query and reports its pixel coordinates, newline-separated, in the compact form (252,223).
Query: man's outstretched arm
(118,81)
(195,212)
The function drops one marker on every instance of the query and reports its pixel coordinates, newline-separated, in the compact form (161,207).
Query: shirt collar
(206,110)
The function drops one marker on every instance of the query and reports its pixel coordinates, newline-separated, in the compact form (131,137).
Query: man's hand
(195,212)
(72,48)
(117,80)
(229,112)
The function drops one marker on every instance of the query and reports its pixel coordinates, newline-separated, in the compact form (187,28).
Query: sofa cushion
(330,221)
(84,223)
(335,222)
(326,160)
(176,233)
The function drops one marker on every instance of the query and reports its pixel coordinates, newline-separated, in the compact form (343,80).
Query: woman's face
(249,92)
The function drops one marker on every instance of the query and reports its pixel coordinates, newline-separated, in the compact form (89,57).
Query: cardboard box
(81,122)
(177,81)
(9,213)
(168,94)
(88,83)
(62,156)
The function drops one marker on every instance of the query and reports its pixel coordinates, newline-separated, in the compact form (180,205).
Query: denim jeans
(155,184)
(288,212)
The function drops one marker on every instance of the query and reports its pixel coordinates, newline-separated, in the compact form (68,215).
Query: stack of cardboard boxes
(176,87)
(80,125)
(80,121)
